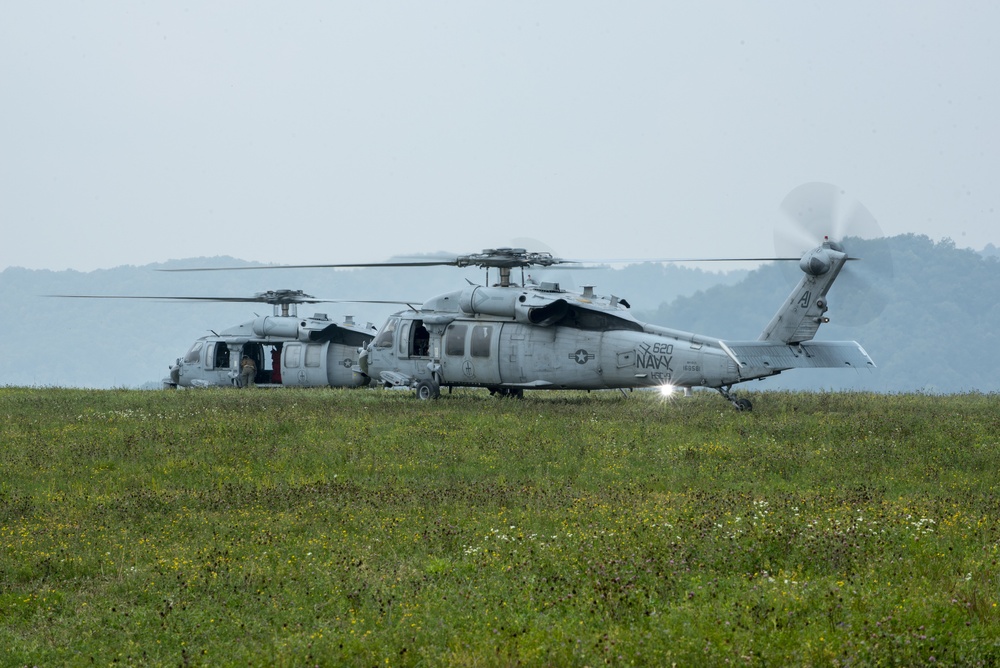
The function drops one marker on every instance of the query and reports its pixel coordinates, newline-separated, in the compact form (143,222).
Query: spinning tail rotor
(817,212)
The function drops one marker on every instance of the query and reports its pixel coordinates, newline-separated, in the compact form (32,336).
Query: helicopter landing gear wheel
(428,389)
(739,403)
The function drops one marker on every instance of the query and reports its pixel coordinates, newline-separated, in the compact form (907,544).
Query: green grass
(366,528)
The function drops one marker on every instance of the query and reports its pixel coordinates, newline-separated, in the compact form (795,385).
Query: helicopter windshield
(194,354)
(384,338)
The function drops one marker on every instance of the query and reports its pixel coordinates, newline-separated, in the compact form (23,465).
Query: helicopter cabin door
(470,353)
(217,371)
(304,364)
(414,339)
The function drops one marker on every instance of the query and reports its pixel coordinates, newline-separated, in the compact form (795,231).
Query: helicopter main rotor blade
(351,265)
(242,300)
(688,259)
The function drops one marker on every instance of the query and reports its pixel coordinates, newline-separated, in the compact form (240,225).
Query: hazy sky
(310,132)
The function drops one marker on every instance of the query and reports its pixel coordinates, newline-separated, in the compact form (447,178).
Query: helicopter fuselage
(539,337)
(486,351)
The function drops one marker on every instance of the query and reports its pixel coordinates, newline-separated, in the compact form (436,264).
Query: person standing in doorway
(248,370)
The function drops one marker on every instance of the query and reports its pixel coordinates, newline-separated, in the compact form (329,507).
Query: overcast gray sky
(335,132)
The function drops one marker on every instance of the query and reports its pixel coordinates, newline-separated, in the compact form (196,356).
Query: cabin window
(194,354)
(454,343)
(481,337)
(313,355)
(404,337)
(384,338)
(292,356)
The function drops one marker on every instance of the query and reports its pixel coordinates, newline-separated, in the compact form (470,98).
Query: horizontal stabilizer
(808,354)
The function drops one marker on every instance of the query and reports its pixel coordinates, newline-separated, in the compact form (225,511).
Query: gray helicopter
(509,338)
(284,350)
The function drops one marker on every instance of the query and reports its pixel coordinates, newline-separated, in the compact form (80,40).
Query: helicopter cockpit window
(481,337)
(384,338)
(454,343)
(194,354)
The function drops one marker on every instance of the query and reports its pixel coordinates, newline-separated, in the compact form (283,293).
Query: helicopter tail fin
(800,316)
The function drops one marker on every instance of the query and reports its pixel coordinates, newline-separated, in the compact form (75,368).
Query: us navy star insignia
(581,356)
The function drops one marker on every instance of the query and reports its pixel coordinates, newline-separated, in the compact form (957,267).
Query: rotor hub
(275,297)
(506,258)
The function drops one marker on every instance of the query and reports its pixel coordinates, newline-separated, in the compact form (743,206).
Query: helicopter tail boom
(775,357)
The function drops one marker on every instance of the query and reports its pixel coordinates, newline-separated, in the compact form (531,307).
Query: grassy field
(366,528)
